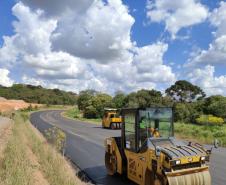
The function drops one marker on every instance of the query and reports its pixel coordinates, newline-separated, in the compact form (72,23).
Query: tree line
(189,103)
(38,94)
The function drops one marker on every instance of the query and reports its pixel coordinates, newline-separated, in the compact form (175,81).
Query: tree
(85,99)
(144,98)
(167,101)
(38,94)
(119,100)
(181,112)
(215,105)
(184,91)
(92,103)
(100,101)
(90,112)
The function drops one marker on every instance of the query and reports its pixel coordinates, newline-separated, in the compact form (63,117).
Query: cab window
(112,115)
(154,122)
(130,135)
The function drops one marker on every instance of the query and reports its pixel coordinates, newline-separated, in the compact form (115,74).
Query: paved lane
(85,147)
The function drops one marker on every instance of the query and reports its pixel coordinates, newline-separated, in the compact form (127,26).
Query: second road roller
(148,153)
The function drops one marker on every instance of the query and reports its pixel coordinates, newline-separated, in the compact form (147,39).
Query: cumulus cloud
(4,78)
(149,63)
(92,49)
(145,69)
(206,79)
(57,8)
(32,35)
(101,33)
(218,19)
(176,14)
(58,65)
(216,53)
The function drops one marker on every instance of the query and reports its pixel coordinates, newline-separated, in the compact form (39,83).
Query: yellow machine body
(111,119)
(159,161)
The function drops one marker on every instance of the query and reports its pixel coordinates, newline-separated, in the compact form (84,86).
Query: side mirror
(216,143)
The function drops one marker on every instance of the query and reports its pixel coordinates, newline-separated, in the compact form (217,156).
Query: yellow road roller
(148,154)
(111,119)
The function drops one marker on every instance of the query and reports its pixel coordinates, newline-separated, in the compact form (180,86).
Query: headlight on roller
(177,162)
(203,158)
(174,163)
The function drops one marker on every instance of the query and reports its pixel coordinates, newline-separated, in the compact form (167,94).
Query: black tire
(149,180)
(112,126)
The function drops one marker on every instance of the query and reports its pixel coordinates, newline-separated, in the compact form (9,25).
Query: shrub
(209,120)
(220,133)
(56,137)
(76,113)
(90,112)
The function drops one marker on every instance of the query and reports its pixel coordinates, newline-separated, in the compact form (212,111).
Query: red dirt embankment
(11,105)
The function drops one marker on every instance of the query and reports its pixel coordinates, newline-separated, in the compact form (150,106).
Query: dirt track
(12,105)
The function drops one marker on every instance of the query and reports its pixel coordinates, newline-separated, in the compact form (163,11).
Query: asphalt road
(85,147)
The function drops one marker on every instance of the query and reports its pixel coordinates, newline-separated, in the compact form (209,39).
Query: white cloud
(218,19)
(4,78)
(205,75)
(58,65)
(57,8)
(32,35)
(91,49)
(149,63)
(176,14)
(143,70)
(216,53)
(205,79)
(101,33)
(33,81)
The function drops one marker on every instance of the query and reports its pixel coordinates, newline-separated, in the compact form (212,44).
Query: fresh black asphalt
(85,147)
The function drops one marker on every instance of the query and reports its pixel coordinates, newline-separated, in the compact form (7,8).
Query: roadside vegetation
(192,109)
(38,94)
(29,159)
(203,134)
(75,114)
(196,116)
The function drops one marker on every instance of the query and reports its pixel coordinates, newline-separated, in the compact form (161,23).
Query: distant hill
(38,94)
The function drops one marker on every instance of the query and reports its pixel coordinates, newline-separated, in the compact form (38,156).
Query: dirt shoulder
(5,132)
(13,105)
(27,158)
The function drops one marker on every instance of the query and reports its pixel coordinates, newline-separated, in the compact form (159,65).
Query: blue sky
(113,45)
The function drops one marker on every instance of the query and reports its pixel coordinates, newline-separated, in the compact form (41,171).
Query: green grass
(203,134)
(75,114)
(199,133)
(16,167)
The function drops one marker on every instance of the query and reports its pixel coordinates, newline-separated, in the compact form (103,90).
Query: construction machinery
(111,119)
(148,154)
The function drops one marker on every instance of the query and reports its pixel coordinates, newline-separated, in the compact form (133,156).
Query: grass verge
(202,134)
(199,133)
(25,146)
(75,114)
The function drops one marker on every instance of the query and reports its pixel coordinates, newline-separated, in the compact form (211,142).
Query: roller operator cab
(148,154)
(111,119)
